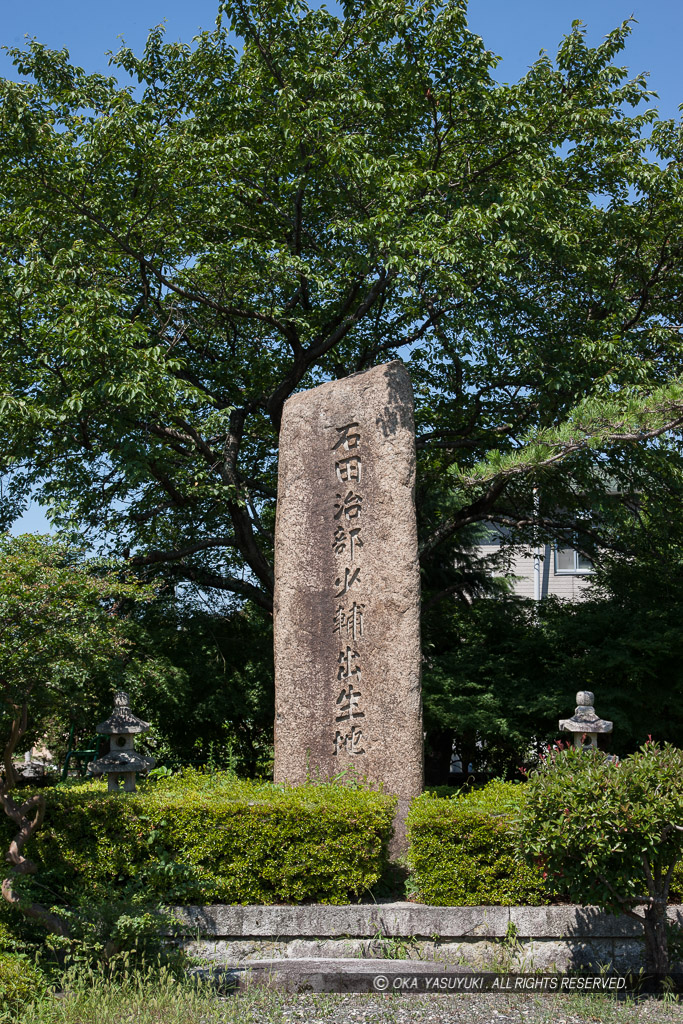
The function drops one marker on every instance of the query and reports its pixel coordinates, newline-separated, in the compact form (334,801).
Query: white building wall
(569,586)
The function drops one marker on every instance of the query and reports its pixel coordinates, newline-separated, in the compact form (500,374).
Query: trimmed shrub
(200,838)
(463,850)
(610,831)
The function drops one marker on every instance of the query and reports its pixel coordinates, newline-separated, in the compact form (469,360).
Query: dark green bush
(463,850)
(212,838)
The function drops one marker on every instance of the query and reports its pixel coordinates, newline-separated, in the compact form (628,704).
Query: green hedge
(202,838)
(463,850)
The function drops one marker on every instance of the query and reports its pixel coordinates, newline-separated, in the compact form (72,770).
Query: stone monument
(347,586)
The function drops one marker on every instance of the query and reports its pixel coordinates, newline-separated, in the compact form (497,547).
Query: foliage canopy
(59,624)
(180,254)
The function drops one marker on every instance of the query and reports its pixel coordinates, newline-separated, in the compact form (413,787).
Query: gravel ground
(272,1008)
(167,1001)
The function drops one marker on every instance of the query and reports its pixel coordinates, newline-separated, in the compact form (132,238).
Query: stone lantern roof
(584,718)
(122,721)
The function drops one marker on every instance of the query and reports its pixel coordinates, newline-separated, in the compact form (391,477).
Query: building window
(568,561)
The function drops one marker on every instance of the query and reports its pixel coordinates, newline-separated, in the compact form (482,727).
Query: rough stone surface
(409,920)
(355,920)
(543,938)
(547,922)
(477,954)
(347,587)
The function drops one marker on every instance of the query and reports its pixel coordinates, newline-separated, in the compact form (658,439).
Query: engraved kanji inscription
(347,439)
(342,540)
(346,600)
(346,664)
(339,540)
(349,579)
(354,542)
(348,470)
(350,742)
(348,506)
(349,621)
(348,700)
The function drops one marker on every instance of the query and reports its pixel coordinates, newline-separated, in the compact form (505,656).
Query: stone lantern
(585,724)
(122,761)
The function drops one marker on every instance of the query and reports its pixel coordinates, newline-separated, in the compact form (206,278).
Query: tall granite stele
(347,586)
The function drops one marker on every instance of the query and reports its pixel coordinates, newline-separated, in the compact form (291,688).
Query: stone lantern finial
(585,722)
(122,761)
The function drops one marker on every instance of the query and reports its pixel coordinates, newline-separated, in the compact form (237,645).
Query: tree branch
(177,554)
(230,584)
(323,345)
(472,513)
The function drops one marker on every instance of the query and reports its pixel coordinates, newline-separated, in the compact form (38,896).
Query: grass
(162,999)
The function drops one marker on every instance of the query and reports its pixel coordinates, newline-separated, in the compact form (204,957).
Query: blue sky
(515,29)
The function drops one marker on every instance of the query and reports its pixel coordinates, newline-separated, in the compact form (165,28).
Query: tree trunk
(27,826)
(656,943)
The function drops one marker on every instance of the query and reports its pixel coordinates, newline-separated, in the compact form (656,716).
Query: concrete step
(341,974)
